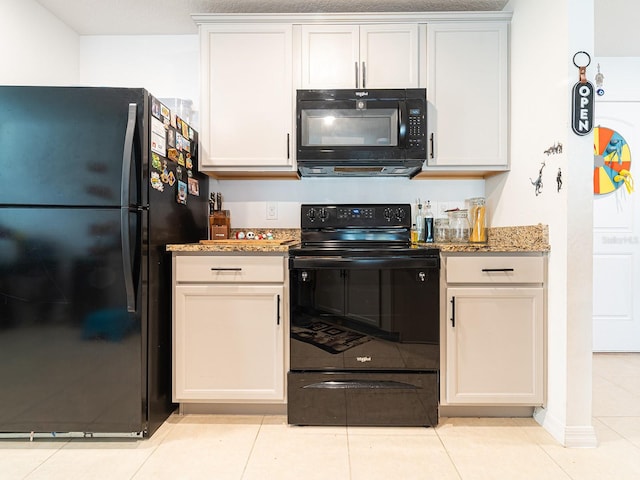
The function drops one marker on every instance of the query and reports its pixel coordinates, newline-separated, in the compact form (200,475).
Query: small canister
(477,219)
(458,226)
(441,230)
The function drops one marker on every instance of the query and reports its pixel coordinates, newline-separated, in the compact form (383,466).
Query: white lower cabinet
(494,331)
(228,330)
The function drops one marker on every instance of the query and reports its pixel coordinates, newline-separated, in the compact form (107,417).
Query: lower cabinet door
(228,343)
(494,346)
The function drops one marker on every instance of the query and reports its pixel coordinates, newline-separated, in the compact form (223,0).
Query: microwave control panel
(416,126)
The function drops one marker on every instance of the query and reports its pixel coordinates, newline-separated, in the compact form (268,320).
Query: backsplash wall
(247,199)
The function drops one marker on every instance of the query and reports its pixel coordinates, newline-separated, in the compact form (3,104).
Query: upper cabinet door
(330,56)
(365,56)
(247,99)
(389,56)
(467,84)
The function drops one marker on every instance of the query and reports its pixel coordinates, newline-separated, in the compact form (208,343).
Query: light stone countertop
(530,238)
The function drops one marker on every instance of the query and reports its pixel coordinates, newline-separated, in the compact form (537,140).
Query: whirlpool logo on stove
(363,359)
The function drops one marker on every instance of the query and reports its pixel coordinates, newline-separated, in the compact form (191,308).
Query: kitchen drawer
(494,269)
(229,269)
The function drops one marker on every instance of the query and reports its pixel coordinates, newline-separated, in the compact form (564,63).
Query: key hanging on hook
(582,95)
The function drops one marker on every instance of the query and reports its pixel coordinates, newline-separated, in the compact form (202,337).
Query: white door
(616,242)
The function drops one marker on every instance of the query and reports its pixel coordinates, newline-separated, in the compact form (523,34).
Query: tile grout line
(253,445)
(609,427)
(546,453)
(35,469)
(348,451)
(455,467)
(153,450)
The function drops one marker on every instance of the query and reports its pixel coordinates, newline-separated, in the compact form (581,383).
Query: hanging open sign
(582,104)
(582,116)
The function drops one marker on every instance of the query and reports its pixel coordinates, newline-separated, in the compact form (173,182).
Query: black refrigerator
(94,182)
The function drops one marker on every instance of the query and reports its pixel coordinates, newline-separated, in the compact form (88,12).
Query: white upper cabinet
(360,56)
(247,96)
(467,87)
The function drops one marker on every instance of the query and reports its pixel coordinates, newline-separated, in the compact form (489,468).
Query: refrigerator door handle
(127,267)
(127,155)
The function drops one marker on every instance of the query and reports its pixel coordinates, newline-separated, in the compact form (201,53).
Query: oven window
(346,127)
(397,305)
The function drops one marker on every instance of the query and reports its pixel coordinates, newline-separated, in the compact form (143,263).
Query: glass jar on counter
(459,228)
(441,230)
(477,219)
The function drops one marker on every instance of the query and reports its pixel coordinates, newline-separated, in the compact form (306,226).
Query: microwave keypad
(415,129)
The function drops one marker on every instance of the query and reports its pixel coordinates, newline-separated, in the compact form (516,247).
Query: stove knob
(400,214)
(323,214)
(387,214)
(311,214)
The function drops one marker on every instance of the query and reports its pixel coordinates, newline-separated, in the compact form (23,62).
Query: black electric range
(364,310)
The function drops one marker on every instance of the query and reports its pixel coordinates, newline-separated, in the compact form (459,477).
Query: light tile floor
(263,448)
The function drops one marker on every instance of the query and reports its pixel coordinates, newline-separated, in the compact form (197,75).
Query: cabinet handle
(356,64)
(497,269)
(432,142)
(288,148)
(220,269)
(278,313)
(453,311)
(364,75)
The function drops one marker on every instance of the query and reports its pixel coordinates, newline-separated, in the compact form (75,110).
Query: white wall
(37,48)
(166,65)
(247,199)
(616,28)
(542,48)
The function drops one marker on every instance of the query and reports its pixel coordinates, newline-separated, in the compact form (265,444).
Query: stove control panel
(355,215)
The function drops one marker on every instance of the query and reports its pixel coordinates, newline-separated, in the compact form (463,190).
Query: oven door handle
(362,384)
(363,262)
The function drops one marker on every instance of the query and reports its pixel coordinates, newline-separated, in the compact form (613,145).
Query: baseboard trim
(583,436)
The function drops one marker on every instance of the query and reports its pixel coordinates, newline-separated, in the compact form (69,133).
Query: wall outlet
(272,210)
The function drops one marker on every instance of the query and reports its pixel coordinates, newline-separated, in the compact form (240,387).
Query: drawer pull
(497,269)
(222,269)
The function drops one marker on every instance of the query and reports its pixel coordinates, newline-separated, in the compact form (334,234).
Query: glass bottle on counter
(441,230)
(459,229)
(428,224)
(419,222)
(414,234)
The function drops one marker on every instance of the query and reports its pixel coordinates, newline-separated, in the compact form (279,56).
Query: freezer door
(71,352)
(66,145)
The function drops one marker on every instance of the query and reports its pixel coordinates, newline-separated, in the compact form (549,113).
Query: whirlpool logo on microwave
(363,359)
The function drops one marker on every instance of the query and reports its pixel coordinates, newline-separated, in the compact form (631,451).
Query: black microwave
(379,132)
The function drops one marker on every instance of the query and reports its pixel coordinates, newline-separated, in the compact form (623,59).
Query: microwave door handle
(402,124)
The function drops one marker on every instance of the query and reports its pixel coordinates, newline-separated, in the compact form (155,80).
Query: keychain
(582,95)
(599,82)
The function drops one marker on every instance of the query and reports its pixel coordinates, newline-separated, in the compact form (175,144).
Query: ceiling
(156,17)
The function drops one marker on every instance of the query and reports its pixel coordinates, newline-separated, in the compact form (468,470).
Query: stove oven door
(364,313)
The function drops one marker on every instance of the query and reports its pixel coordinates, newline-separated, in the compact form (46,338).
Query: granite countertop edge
(528,238)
